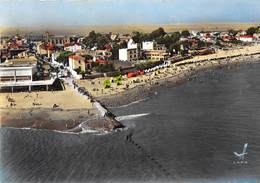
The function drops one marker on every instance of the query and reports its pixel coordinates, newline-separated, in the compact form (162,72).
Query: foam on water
(132,103)
(130,117)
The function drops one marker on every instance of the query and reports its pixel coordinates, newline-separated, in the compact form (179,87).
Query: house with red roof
(46,48)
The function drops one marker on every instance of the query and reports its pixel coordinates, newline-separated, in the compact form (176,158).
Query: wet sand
(44,118)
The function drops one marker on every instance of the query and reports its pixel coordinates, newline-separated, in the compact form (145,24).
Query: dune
(127,28)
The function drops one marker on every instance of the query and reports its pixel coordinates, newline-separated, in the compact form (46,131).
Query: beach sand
(35,109)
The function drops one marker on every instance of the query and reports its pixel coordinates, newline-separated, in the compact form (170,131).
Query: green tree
(116,47)
(157,33)
(252,30)
(64,57)
(175,36)
(103,67)
(96,39)
(107,83)
(88,57)
(185,33)
(139,37)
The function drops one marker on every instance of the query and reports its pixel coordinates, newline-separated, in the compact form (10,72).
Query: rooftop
(21,62)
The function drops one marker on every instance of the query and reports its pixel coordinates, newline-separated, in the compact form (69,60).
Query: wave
(132,116)
(135,102)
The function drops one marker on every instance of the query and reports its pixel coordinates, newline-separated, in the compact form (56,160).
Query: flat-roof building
(19,73)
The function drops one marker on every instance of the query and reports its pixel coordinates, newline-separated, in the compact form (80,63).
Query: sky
(108,12)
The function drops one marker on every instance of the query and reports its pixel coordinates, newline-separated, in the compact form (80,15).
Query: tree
(102,67)
(107,83)
(116,47)
(185,33)
(88,57)
(175,36)
(176,47)
(82,73)
(96,39)
(64,57)
(139,37)
(157,33)
(252,30)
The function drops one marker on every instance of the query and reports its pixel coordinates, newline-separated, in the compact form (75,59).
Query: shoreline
(146,90)
(77,120)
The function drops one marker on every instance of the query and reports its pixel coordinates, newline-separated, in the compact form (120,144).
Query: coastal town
(57,82)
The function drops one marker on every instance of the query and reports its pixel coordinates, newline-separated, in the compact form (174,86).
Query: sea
(187,133)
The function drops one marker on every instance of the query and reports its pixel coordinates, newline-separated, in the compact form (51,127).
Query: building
(148,45)
(77,62)
(19,73)
(156,55)
(57,40)
(131,44)
(16,70)
(247,38)
(45,48)
(72,47)
(127,54)
(151,45)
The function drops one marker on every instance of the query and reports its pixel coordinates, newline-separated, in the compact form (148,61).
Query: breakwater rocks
(107,121)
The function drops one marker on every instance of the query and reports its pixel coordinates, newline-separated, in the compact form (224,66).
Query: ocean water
(182,134)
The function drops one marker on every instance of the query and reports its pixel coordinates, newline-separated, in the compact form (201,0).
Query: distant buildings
(59,41)
(154,51)
(150,50)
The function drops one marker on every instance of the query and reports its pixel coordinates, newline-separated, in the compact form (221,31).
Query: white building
(148,45)
(151,45)
(127,54)
(73,48)
(131,44)
(17,73)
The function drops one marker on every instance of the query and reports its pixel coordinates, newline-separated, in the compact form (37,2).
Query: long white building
(19,73)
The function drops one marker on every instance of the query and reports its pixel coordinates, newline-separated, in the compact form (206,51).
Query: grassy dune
(127,28)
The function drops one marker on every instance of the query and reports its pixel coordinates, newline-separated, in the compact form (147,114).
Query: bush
(107,83)
(118,80)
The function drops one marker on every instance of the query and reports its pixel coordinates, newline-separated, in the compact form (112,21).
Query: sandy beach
(47,110)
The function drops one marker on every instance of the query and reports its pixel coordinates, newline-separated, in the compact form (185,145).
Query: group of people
(11,101)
